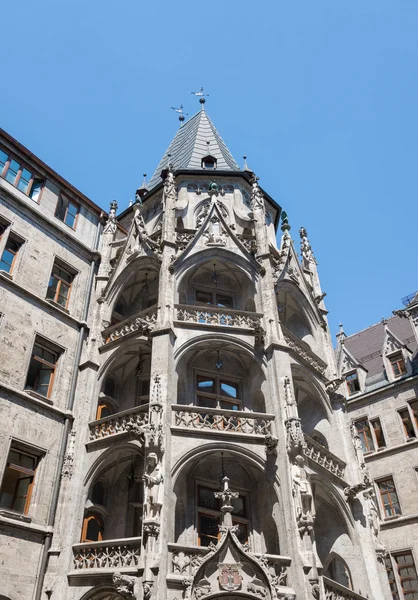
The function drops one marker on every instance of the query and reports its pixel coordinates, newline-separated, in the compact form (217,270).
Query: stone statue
(153,479)
(124,584)
(302,491)
(373,517)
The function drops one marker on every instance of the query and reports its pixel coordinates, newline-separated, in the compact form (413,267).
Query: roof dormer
(209,163)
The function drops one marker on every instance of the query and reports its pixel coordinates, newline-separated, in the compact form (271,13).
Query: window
(409,418)
(98,493)
(398,364)
(10,251)
(59,286)
(215,391)
(41,370)
(353,383)
(339,572)
(408,576)
(67,211)
(209,162)
(92,529)
(104,409)
(18,479)
(143,391)
(221,299)
(209,516)
(378,433)
(391,578)
(389,497)
(363,429)
(20,176)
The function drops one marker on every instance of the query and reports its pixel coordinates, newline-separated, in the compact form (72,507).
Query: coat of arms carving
(230,577)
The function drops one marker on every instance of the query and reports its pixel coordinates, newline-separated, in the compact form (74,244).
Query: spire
(193,141)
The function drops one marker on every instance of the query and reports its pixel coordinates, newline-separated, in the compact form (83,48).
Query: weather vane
(201,95)
(180,112)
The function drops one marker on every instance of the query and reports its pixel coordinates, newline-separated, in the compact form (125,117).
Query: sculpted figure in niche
(302,490)
(153,479)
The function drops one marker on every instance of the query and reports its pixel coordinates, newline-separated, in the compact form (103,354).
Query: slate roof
(367,345)
(190,145)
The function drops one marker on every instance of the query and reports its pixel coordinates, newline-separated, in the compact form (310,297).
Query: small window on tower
(209,162)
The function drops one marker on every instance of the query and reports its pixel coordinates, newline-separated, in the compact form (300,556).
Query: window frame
(58,264)
(20,446)
(62,198)
(16,239)
(395,568)
(214,293)
(348,374)
(22,166)
(412,417)
(380,495)
(217,396)
(89,516)
(392,361)
(44,345)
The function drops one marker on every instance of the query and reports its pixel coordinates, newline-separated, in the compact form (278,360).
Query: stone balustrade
(107,554)
(215,315)
(142,322)
(303,350)
(323,457)
(336,591)
(126,421)
(217,419)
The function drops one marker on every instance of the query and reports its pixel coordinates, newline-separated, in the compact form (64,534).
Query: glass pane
(12,171)
(94,529)
(229,389)
(29,462)
(24,180)
(206,498)
(52,288)
(208,529)
(239,506)
(49,357)
(3,159)
(203,297)
(205,384)
(207,402)
(36,189)
(224,301)
(63,295)
(69,220)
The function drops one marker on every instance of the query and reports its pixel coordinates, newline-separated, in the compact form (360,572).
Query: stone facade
(193,438)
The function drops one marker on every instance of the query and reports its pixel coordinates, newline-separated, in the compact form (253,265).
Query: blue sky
(321,96)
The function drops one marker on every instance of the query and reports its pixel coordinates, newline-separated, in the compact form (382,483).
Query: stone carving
(183,239)
(152,529)
(106,555)
(302,492)
(271,442)
(306,249)
(223,420)
(202,590)
(154,437)
(132,421)
(258,589)
(373,518)
(143,322)
(295,442)
(218,316)
(124,584)
(111,225)
(333,385)
(170,191)
(249,243)
(142,236)
(257,198)
(303,351)
(335,591)
(186,563)
(230,577)
(68,464)
(214,234)
(146,590)
(323,457)
(153,479)
(358,447)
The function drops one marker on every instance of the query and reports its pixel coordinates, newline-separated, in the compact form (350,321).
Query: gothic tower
(210,455)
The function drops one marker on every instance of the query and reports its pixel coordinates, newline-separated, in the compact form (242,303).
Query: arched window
(110,387)
(319,438)
(92,528)
(338,571)
(217,391)
(98,493)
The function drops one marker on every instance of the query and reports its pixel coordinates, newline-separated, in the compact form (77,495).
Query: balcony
(303,350)
(142,322)
(216,316)
(324,458)
(336,591)
(203,419)
(127,421)
(122,554)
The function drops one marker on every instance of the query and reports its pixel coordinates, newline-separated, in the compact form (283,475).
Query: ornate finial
(341,335)
(110,226)
(201,95)
(180,112)
(285,221)
(257,198)
(226,495)
(246,167)
(384,321)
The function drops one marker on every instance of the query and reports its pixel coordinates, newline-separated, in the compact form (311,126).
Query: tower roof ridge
(195,139)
